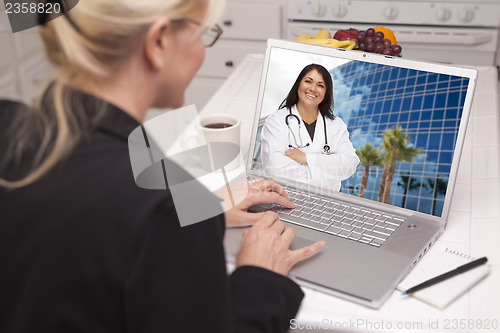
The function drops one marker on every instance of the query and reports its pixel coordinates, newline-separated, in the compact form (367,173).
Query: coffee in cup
(220,129)
(218,125)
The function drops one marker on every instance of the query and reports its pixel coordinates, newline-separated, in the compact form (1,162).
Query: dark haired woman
(303,140)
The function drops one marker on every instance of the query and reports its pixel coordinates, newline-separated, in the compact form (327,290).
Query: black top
(310,128)
(86,250)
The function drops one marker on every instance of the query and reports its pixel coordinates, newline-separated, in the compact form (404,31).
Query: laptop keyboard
(337,218)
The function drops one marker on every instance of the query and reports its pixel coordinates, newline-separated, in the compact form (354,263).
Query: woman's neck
(308,114)
(126,88)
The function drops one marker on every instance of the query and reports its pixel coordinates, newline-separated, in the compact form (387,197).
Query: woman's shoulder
(274,118)
(7,104)
(278,114)
(9,108)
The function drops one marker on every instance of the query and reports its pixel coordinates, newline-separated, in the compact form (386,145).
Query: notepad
(443,293)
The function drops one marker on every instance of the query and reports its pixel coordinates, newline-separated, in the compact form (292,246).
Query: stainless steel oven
(458,31)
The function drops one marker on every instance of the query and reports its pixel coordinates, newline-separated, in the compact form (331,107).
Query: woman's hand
(267,245)
(249,194)
(297,155)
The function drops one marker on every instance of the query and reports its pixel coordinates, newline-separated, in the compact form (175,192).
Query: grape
(379,47)
(396,49)
(370,40)
(361,36)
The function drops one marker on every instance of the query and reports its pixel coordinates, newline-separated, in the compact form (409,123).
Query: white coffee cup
(222,128)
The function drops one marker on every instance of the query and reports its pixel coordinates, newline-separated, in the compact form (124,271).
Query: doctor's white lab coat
(325,170)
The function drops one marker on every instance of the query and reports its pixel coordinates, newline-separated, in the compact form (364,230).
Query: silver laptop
(372,240)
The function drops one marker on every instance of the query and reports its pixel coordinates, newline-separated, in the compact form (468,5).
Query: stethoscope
(326,147)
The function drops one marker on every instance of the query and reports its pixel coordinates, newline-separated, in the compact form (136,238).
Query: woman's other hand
(248,194)
(267,244)
(297,155)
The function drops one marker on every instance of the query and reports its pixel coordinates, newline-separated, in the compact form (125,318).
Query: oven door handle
(476,38)
(423,37)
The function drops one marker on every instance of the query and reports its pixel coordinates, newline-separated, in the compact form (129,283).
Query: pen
(447,275)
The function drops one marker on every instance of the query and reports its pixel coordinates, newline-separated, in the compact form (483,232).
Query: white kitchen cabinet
(34,73)
(247,25)
(226,55)
(252,21)
(23,64)
(28,42)
(8,85)
(201,90)
(7,51)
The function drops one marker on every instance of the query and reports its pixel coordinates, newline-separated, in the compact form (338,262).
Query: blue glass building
(371,98)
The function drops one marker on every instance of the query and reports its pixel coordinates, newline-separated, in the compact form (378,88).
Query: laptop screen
(403,123)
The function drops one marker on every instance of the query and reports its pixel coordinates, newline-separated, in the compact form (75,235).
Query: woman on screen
(303,140)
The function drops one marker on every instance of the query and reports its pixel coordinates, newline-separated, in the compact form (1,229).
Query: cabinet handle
(229,63)
(227,23)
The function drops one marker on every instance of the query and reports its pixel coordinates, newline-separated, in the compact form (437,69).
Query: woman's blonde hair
(90,41)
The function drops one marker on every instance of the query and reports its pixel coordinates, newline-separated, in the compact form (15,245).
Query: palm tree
(408,183)
(395,144)
(383,179)
(438,186)
(368,155)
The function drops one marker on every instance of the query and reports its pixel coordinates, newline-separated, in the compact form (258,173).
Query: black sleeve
(263,301)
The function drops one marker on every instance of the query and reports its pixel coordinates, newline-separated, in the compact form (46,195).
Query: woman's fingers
(252,218)
(306,252)
(263,191)
(267,245)
(302,253)
(288,236)
(269,185)
(244,234)
(277,199)
(278,226)
(267,220)
(268,191)
(245,219)
(269,197)
(297,155)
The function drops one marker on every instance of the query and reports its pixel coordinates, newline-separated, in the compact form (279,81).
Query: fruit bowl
(376,40)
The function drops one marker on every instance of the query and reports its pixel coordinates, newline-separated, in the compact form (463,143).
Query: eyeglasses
(210,35)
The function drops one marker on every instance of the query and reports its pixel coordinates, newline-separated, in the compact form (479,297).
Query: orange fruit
(387,34)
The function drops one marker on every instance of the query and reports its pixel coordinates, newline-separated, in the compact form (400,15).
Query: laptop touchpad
(300,242)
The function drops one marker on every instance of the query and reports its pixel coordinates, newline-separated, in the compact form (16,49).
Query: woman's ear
(156,43)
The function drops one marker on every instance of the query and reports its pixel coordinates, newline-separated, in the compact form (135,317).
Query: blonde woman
(86,250)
